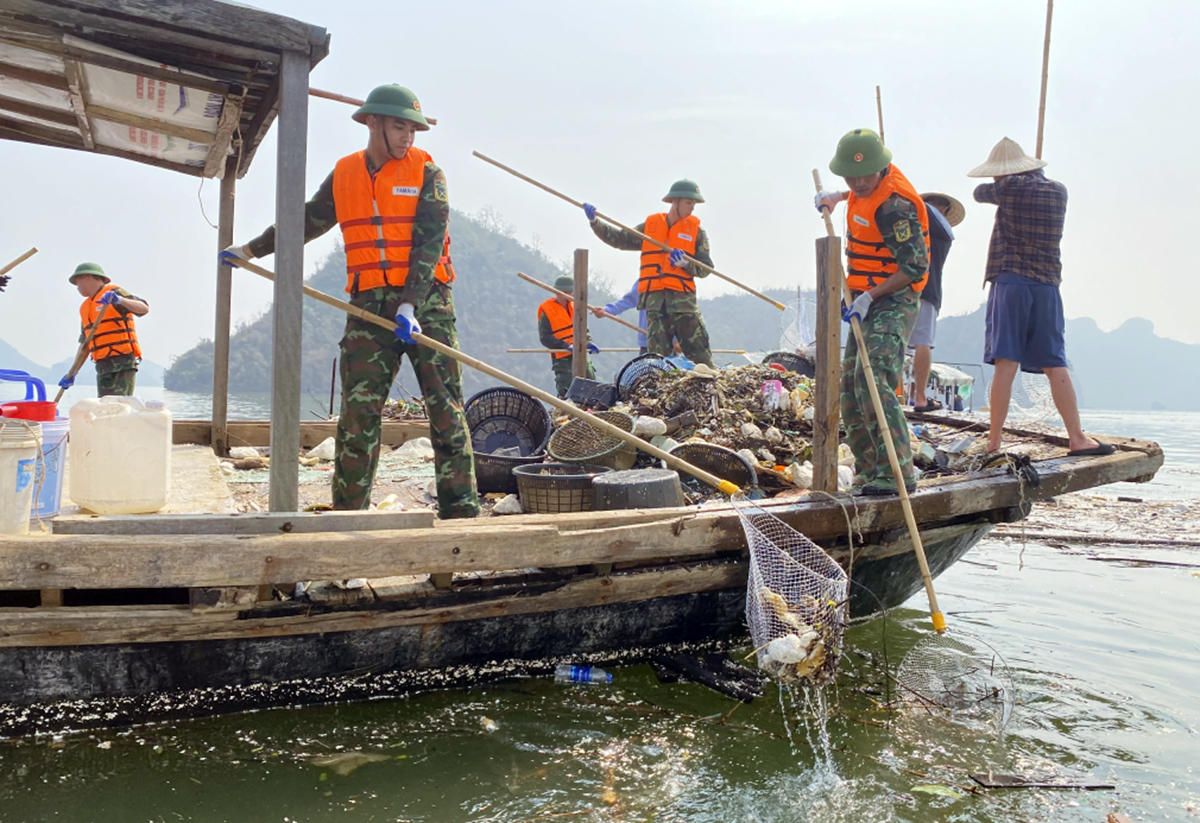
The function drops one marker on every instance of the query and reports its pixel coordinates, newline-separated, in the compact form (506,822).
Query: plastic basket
(553,488)
(791,361)
(577,442)
(724,463)
(504,418)
(639,372)
(591,394)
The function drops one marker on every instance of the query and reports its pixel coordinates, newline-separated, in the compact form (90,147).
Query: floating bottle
(581,674)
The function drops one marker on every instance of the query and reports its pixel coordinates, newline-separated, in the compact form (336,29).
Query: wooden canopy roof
(180,84)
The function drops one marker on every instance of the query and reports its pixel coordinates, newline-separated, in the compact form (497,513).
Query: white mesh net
(795,600)
(959,677)
(798,325)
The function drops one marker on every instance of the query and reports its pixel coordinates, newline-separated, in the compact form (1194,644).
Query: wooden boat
(115,620)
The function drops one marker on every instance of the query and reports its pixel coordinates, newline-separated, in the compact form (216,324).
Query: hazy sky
(611,101)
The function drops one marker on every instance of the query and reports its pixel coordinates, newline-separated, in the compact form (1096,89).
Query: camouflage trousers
(675,315)
(119,383)
(886,330)
(370,360)
(564,373)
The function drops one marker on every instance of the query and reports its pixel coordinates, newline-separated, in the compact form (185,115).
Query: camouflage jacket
(429,229)
(900,226)
(627,241)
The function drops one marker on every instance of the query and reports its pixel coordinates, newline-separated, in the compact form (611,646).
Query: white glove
(859,308)
(234,253)
(828,200)
(406,324)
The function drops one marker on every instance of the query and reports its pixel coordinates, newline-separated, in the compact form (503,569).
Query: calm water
(1103,654)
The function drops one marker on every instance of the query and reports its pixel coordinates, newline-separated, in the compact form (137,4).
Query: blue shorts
(1025,324)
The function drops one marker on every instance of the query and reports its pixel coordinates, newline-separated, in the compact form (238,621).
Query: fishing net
(796,601)
(1031,398)
(798,325)
(958,677)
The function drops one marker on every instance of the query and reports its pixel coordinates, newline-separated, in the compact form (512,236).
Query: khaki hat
(1006,158)
(93,269)
(956,212)
(565,283)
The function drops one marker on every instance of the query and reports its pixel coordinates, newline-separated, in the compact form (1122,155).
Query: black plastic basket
(791,361)
(554,488)
(591,394)
(638,371)
(724,463)
(504,418)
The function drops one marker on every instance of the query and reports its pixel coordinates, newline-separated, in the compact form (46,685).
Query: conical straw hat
(956,212)
(1006,158)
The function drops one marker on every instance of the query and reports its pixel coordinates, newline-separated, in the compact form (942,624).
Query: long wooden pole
(570,296)
(623,227)
(935,613)
(18,261)
(1045,79)
(606,350)
(723,486)
(879,108)
(84,347)
(350,101)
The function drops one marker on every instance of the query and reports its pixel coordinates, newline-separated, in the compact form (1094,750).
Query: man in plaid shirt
(1024,312)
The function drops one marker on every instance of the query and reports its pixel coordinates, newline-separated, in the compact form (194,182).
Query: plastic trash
(581,674)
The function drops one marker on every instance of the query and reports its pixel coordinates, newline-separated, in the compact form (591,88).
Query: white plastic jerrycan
(120,455)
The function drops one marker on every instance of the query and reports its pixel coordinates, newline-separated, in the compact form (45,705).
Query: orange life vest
(377,215)
(562,323)
(868,259)
(657,273)
(115,335)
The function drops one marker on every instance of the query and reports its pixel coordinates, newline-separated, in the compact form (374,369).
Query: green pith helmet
(392,101)
(565,283)
(684,188)
(860,153)
(89,268)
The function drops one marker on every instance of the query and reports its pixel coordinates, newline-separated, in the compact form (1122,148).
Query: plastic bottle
(581,674)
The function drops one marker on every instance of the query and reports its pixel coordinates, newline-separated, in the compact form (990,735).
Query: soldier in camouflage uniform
(887,253)
(556,331)
(114,345)
(666,284)
(392,204)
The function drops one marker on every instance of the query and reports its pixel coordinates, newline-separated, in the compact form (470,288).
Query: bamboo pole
(1045,79)
(351,101)
(18,261)
(81,355)
(935,613)
(879,108)
(723,486)
(604,350)
(623,227)
(550,288)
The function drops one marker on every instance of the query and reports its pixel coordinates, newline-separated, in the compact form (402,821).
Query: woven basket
(577,442)
(639,371)
(554,488)
(724,463)
(504,418)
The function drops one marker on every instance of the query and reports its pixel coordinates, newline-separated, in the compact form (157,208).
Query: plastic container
(554,488)
(120,455)
(18,461)
(581,674)
(34,406)
(637,489)
(579,442)
(503,418)
(49,481)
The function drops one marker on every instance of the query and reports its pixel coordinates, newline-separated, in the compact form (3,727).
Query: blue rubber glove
(592,348)
(234,255)
(859,308)
(406,324)
(66,383)
(590,211)
(110,297)
(676,258)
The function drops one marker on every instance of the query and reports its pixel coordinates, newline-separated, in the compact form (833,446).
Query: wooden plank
(242,524)
(77,83)
(38,78)
(441,580)
(219,434)
(312,432)
(218,152)
(191,80)
(63,117)
(229,598)
(46,134)
(287,310)
(579,354)
(125,118)
(84,627)
(828,366)
(183,168)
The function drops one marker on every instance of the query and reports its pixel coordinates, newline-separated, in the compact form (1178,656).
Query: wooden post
(288,310)
(828,366)
(579,360)
(1045,78)
(220,400)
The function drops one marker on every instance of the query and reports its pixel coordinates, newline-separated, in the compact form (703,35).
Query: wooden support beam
(312,432)
(227,598)
(579,362)
(137,121)
(189,80)
(49,114)
(35,133)
(288,308)
(77,83)
(262,523)
(218,152)
(38,78)
(224,307)
(828,367)
(149,160)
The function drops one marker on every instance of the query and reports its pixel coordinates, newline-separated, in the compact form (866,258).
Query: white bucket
(18,466)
